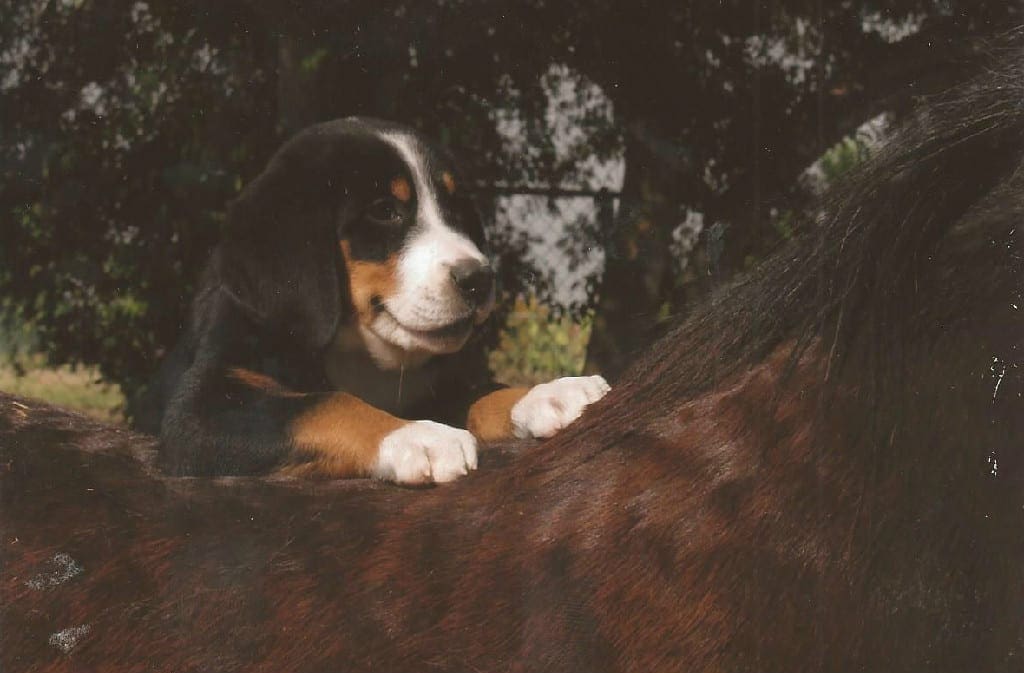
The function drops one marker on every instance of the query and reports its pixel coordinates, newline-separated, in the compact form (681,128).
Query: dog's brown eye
(383,210)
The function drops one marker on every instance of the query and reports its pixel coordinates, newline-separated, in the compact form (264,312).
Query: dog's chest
(392,391)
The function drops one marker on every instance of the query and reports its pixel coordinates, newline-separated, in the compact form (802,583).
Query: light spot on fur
(66,640)
(63,569)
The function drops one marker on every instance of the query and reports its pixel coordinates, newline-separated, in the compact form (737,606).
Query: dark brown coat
(819,471)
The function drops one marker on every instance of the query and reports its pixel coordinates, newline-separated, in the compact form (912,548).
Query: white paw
(424,451)
(551,406)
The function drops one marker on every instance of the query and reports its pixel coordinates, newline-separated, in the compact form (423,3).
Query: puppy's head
(413,249)
(411,276)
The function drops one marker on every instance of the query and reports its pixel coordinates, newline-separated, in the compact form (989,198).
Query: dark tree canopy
(126,127)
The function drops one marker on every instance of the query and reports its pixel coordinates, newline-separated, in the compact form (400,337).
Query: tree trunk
(637,262)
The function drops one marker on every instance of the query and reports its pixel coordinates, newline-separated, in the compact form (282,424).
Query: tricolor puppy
(333,331)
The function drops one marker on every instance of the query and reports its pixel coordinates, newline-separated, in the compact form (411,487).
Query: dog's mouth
(457,329)
(445,338)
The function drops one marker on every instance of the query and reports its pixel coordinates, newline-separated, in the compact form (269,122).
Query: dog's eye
(383,210)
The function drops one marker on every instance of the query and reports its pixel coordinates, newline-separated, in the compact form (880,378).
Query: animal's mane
(862,276)
(887,282)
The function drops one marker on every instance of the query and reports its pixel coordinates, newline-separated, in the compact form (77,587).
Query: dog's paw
(421,452)
(551,406)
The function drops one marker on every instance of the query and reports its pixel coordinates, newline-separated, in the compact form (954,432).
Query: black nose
(473,279)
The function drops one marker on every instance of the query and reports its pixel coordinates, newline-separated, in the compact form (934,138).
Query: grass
(77,388)
(535,347)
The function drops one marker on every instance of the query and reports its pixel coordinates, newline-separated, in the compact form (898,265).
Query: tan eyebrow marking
(449,182)
(400,189)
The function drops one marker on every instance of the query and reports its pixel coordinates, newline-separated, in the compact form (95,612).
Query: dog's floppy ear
(280,257)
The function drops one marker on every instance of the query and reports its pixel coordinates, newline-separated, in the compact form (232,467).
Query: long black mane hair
(918,242)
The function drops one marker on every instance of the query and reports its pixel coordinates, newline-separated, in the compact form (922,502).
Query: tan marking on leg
(449,182)
(401,189)
(490,417)
(340,437)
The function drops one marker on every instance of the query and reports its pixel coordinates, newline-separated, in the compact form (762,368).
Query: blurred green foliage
(537,346)
(127,127)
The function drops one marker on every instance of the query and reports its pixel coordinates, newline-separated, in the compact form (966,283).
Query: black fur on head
(347,179)
(279,256)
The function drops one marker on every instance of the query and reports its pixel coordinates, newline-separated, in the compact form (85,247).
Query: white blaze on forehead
(436,239)
(426,297)
(428,211)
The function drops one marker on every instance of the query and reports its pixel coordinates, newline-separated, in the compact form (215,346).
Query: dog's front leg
(539,412)
(341,436)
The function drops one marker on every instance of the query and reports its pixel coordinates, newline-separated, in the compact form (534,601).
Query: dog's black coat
(275,293)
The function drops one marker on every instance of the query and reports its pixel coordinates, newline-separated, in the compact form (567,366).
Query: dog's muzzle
(475,282)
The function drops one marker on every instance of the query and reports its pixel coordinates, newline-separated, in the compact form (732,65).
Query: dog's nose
(473,279)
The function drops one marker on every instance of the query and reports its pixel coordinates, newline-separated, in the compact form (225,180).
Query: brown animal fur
(820,470)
